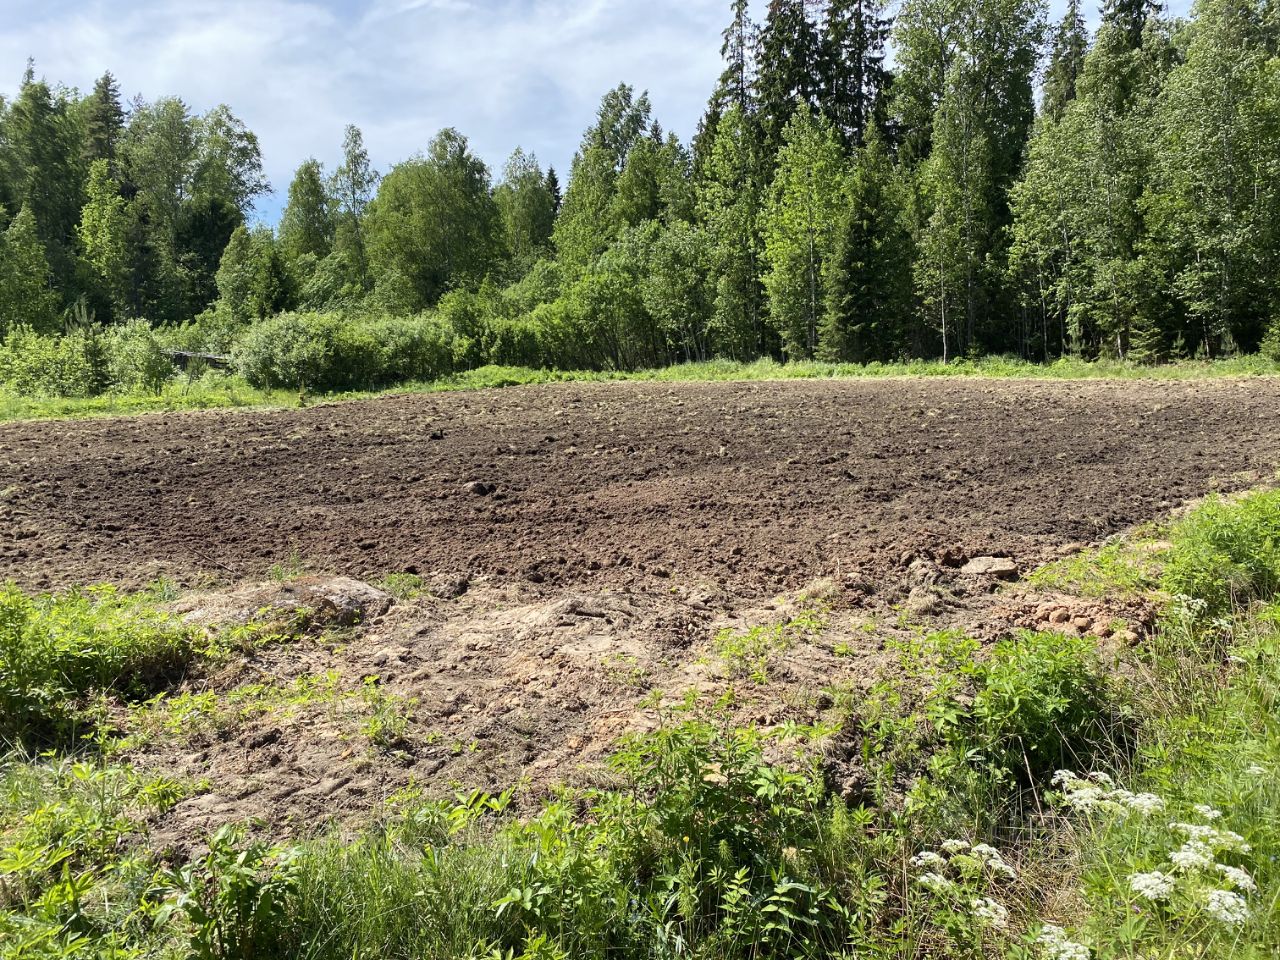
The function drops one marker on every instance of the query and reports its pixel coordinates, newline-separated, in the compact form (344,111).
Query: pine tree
(26,296)
(1070,43)
(307,224)
(789,67)
(855,79)
(800,229)
(104,121)
(869,279)
(553,188)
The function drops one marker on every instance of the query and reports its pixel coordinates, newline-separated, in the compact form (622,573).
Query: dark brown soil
(585,545)
(754,487)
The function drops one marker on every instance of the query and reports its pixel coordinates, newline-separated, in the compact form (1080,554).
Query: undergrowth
(215,391)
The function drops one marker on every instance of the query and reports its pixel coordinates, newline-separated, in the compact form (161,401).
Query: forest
(936,180)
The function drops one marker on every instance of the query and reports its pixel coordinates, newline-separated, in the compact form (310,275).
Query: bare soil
(587,542)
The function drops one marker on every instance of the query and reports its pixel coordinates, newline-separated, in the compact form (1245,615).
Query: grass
(708,841)
(232,392)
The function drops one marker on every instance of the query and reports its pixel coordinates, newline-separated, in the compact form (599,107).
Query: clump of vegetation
(55,651)
(1227,555)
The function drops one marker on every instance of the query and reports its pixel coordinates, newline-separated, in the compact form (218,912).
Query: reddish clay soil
(751,487)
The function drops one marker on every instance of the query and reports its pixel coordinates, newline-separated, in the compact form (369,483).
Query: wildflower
(1154,886)
(1145,803)
(929,859)
(1065,778)
(1103,779)
(936,883)
(954,846)
(1227,907)
(1238,878)
(1208,812)
(989,912)
(991,859)
(1192,855)
(1056,946)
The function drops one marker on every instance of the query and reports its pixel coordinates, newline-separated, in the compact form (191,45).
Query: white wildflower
(937,883)
(1227,907)
(1145,803)
(1102,778)
(1208,812)
(1192,855)
(1064,778)
(954,846)
(989,912)
(929,859)
(1238,878)
(1211,836)
(1155,886)
(993,861)
(1086,797)
(1057,946)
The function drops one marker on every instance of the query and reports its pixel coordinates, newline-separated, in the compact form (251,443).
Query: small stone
(1002,568)
(478,488)
(1082,623)
(1059,616)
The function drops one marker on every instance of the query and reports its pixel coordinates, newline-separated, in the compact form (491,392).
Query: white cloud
(506,73)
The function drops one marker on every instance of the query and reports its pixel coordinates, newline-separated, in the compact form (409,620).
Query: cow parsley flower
(954,846)
(1227,907)
(989,912)
(1155,886)
(1238,878)
(1055,944)
(1145,803)
(1208,812)
(929,859)
(993,861)
(1192,855)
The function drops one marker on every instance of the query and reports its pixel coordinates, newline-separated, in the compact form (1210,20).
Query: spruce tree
(854,77)
(789,65)
(104,121)
(869,281)
(1070,43)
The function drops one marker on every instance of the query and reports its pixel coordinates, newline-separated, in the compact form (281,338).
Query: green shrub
(137,357)
(1227,554)
(75,365)
(417,348)
(56,649)
(1042,705)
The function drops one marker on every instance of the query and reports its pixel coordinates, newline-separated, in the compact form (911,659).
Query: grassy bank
(1047,796)
(228,392)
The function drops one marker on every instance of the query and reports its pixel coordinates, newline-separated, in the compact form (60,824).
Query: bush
(1042,705)
(413,348)
(54,650)
(72,366)
(1227,554)
(137,358)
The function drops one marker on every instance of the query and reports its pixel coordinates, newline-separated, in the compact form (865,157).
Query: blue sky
(506,73)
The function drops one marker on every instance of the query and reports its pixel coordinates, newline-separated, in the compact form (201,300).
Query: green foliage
(235,898)
(1226,554)
(1126,567)
(56,650)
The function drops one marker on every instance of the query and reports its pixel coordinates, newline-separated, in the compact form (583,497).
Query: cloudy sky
(506,73)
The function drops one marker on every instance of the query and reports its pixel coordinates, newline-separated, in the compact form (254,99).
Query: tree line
(939,180)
